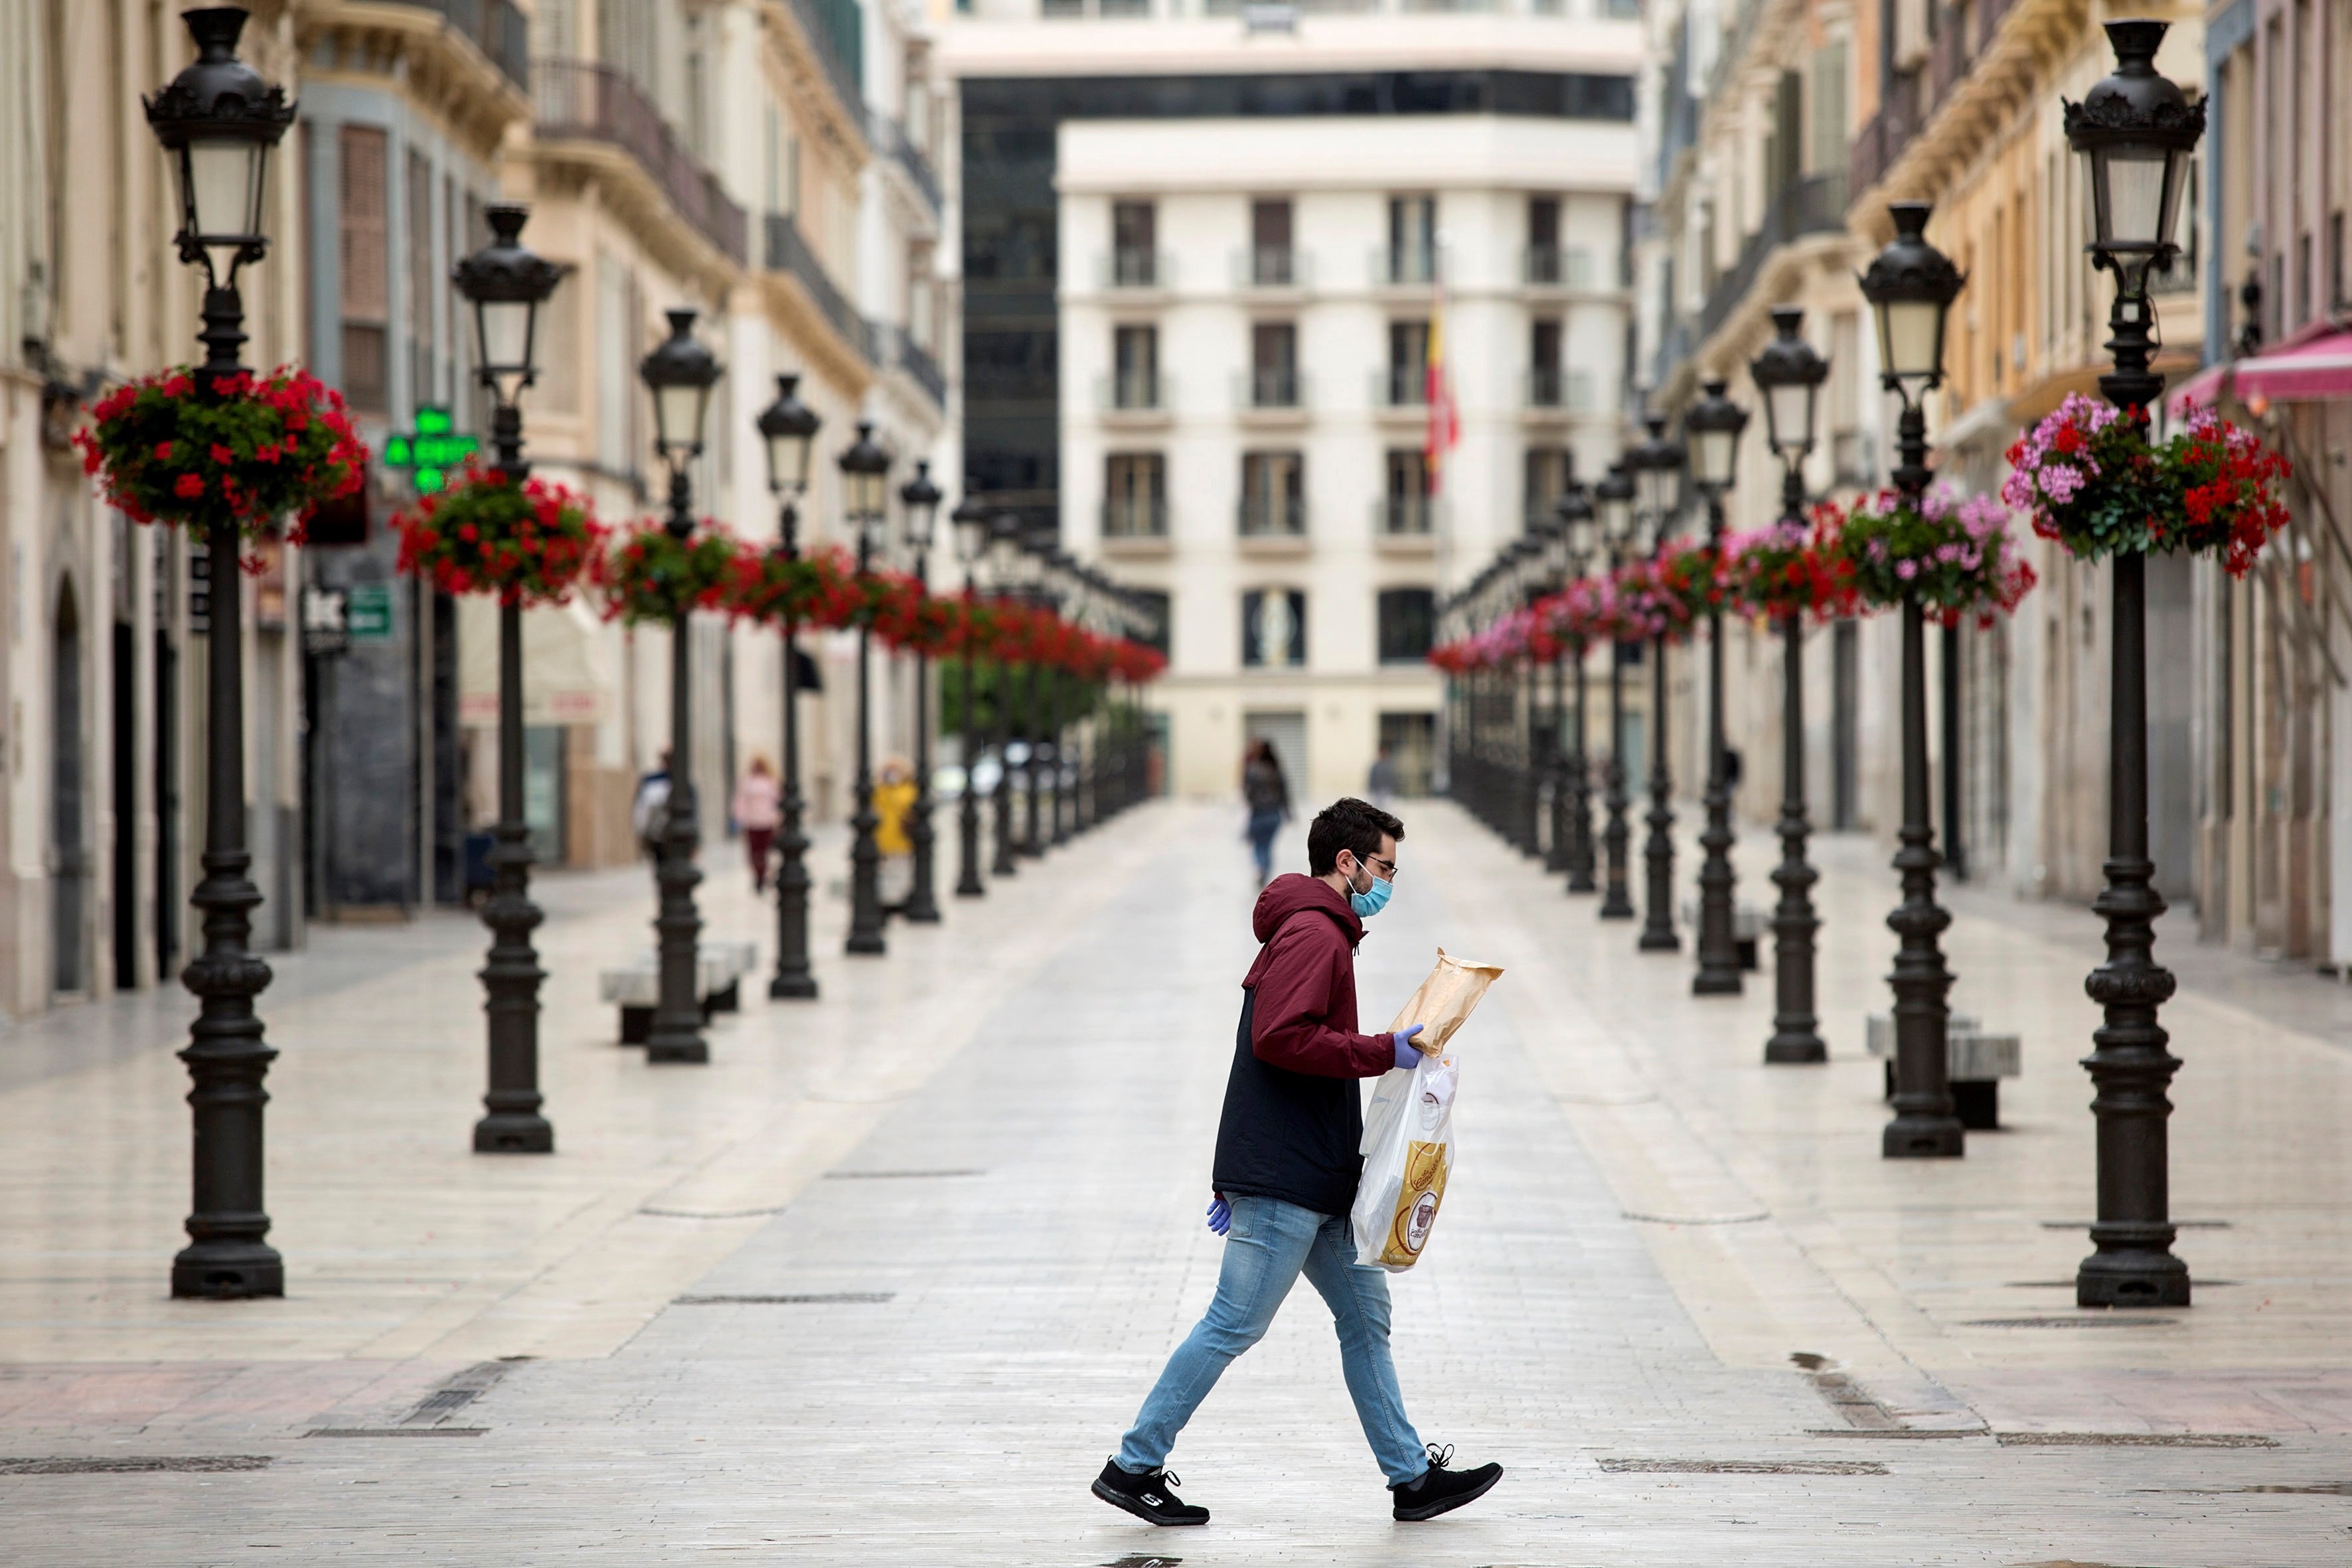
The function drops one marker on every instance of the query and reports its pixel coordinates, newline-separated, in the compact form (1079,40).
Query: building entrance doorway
(68,852)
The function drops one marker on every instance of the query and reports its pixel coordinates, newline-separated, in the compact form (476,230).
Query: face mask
(1367,905)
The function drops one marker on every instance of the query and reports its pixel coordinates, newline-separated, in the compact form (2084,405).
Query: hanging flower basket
(818,590)
(1643,604)
(1954,556)
(1689,574)
(245,452)
(649,575)
(2092,480)
(1788,569)
(531,543)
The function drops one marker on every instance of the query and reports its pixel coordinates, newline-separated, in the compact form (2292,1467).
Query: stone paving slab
(1028,1207)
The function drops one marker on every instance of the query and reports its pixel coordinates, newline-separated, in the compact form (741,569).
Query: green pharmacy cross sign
(432,451)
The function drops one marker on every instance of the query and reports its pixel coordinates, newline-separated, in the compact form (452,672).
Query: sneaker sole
(1132,1505)
(1414,1515)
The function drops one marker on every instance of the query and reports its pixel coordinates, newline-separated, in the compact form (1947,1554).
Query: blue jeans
(1263,827)
(1271,1243)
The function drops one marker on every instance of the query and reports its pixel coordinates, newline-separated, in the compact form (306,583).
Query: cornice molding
(415,51)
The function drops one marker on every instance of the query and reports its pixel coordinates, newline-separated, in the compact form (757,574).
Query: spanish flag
(1444,419)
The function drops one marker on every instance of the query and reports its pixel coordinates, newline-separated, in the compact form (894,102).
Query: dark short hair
(1355,826)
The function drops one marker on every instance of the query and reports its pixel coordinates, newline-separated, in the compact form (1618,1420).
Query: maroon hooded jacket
(1292,1118)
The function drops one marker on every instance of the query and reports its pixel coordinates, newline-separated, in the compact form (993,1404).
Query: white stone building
(1198,333)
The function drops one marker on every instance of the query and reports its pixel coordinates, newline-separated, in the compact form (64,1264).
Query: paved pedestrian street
(884,1283)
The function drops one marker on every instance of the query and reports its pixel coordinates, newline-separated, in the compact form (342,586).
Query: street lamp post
(1713,424)
(507,283)
(921,498)
(864,487)
(2135,131)
(970,523)
(1576,527)
(680,372)
(1614,499)
(219,121)
(1911,286)
(1790,374)
(1005,547)
(1063,587)
(1658,475)
(788,430)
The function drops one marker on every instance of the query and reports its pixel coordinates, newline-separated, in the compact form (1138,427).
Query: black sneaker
(1440,1490)
(1151,1496)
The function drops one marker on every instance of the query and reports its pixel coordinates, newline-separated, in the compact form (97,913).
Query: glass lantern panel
(677,415)
(506,334)
(224,177)
(1789,411)
(1712,453)
(2176,174)
(1616,520)
(2139,183)
(788,462)
(1909,336)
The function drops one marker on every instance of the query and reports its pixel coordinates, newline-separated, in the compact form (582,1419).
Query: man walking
(1285,1174)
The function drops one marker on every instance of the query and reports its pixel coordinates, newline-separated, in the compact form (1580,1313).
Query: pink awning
(2318,368)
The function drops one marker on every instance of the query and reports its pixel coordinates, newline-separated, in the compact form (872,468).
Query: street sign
(432,449)
(367,612)
(325,621)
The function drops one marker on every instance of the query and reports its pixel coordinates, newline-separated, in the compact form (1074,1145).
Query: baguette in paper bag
(1408,1145)
(1445,1001)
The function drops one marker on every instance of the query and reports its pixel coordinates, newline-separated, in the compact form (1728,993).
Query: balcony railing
(788,252)
(1135,391)
(1273,516)
(596,102)
(1401,386)
(495,27)
(1399,265)
(1137,266)
(1554,267)
(891,137)
(1135,517)
(895,346)
(1404,517)
(1911,100)
(1272,267)
(1547,386)
(1274,388)
(1814,205)
(838,27)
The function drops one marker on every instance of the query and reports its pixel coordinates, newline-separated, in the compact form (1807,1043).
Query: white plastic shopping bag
(1408,1145)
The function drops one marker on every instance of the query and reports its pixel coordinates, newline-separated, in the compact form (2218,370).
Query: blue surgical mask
(1367,905)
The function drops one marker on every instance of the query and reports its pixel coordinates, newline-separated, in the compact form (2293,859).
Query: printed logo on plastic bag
(1416,1206)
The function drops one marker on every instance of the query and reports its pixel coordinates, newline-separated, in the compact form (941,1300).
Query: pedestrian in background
(756,814)
(1267,794)
(894,797)
(1382,783)
(649,810)
(1285,1172)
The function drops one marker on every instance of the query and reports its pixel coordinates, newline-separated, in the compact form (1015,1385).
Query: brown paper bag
(1445,1001)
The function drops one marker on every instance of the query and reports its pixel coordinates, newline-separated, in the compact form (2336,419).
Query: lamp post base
(1923,1136)
(514,1132)
(2133,1268)
(1796,1047)
(227,1269)
(792,988)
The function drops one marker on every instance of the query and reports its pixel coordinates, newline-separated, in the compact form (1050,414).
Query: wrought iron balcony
(1273,516)
(788,252)
(1814,205)
(1135,517)
(495,26)
(1408,517)
(891,137)
(596,102)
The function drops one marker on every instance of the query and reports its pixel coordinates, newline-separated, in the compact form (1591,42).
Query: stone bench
(1975,1059)
(1749,925)
(635,987)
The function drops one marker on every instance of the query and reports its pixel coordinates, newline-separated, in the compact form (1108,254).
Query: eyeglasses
(1375,862)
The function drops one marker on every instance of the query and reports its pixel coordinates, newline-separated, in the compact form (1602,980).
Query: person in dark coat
(1285,1173)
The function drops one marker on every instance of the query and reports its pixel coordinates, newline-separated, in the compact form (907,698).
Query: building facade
(770,163)
(1292,318)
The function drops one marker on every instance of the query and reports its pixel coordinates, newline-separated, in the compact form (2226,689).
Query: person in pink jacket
(755,813)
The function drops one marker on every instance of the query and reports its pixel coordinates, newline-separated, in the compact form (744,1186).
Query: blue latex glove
(1220,1214)
(1408,1055)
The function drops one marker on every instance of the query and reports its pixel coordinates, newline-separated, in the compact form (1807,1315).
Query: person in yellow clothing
(894,797)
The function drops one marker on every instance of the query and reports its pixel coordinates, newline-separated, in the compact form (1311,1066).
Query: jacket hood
(1293,891)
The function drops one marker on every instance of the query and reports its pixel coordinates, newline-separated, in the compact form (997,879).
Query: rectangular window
(1134,245)
(1158,613)
(1831,147)
(365,229)
(1408,371)
(1270,256)
(422,275)
(1274,365)
(1408,619)
(1136,367)
(1544,476)
(1134,491)
(1406,500)
(1413,239)
(1543,257)
(1543,362)
(1274,493)
(1274,629)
